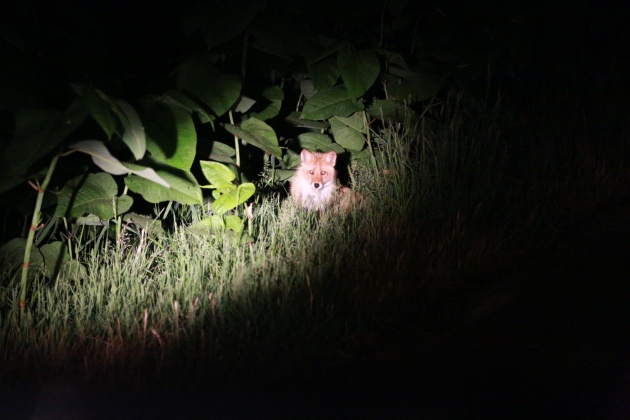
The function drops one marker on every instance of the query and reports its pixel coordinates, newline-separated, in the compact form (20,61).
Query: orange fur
(314,184)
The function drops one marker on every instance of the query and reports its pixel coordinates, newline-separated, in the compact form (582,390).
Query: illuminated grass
(442,205)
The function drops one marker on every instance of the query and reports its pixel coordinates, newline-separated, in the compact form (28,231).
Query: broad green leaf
(418,87)
(73,269)
(325,73)
(328,50)
(291,159)
(107,162)
(348,132)
(355,121)
(275,96)
(396,65)
(218,91)
(246,239)
(219,190)
(55,255)
(222,92)
(92,194)
(211,225)
(234,223)
(318,143)
(257,133)
(244,104)
(90,220)
(280,175)
(149,224)
(12,252)
(296,120)
(184,101)
(37,133)
(359,70)
(183,187)
(171,136)
(221,152)
(101,156)
(227,202)
(330,102)
(12,256)
(216,173)
(386,110)
(100,110)
(133,136)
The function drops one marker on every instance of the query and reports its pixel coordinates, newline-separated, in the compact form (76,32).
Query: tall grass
(442,207)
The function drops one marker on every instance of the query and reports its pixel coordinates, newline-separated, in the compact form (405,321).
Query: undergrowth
(441,208)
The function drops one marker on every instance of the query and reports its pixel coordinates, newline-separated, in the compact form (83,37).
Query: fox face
(313,185)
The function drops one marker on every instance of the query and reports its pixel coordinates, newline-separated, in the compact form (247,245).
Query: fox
(314,186)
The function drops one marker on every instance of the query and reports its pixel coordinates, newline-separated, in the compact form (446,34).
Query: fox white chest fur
(313,186)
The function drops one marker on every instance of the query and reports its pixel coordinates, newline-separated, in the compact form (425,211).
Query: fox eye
(311,172)
(323,172)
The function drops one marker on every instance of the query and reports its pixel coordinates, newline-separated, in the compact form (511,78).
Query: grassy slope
(447,210)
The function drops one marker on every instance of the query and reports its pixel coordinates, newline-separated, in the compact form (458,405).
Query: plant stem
(238,154)
(41,189)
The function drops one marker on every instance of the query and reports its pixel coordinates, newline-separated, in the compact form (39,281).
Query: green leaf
(325,73)
(244,104)
(359,70)
(218,91)
(55,254)
(37,133)
(318,143)
(229,201)
(216,173)
(330,102)
(275,96)
(184,189)
(133,136)
(151,225)
(348,132)
(171,136)
(211,225)
(327,51)
(219,190)
(92,194)
(101,110)
(295,119)
(12,257)
(257,133)
(182,100)
(234,223)
(73,269)
(221,152)
(90,220)
(107,162)
(281,175)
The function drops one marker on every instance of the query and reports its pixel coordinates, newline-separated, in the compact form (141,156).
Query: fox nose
(316,185)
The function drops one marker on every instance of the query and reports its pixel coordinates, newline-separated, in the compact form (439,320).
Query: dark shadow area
(558,349)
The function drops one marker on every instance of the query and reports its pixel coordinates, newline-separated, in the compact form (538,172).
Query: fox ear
(306,156)
(330,158)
